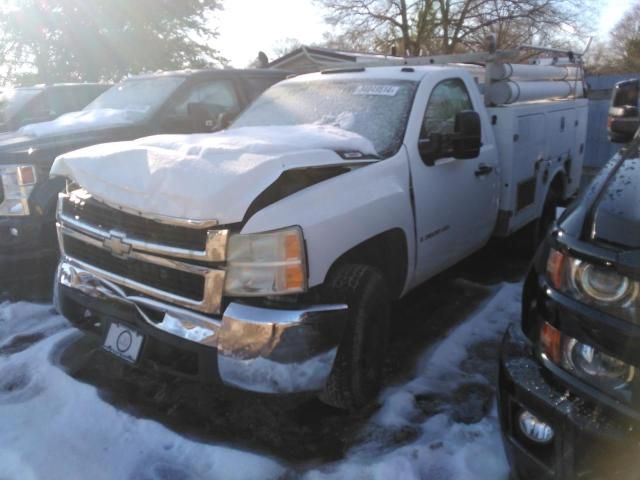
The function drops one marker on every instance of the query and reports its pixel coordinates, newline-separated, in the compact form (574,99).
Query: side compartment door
(456,200)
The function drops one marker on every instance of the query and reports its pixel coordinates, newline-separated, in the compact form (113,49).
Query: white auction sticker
(385,90)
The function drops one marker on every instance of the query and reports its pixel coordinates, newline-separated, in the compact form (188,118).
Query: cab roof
(213,73)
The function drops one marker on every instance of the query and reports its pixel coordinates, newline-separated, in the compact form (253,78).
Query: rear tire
(357,371)
(531,236)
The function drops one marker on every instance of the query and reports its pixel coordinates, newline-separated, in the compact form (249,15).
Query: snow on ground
(52,426)
(462,439)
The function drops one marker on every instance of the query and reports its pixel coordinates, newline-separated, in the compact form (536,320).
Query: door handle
(483,170)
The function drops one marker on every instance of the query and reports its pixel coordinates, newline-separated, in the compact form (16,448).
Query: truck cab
(268,255)
(164,102)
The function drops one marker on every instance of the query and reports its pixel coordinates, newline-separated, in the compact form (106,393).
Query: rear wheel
(357,371)
(531,236)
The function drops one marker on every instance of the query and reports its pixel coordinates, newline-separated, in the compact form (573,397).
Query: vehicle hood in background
(82,121)
(207,176)
(616,216)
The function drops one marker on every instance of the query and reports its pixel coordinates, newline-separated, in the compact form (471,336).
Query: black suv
(569,394)
(23,105)
(168,102)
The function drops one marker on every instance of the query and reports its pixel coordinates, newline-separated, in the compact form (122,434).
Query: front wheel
(357,371)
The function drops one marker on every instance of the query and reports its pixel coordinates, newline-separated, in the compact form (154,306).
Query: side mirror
(224,120)
(467,137)
(624,111)
(203,117)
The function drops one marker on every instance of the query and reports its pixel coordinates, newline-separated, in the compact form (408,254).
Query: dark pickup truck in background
(24,105)
(169,102)
(569,376)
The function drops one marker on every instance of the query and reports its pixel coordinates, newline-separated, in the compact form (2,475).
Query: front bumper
(252,348)
(591,440)
(28,247)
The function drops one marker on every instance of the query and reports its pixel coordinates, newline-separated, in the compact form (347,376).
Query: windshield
(142,96)
(12,100)
(376,109)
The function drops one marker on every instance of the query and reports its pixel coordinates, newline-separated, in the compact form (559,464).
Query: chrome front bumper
(258,349)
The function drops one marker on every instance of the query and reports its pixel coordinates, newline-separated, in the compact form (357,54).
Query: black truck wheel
(529,238)
(357,371)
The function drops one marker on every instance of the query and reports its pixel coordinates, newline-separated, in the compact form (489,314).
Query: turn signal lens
(551,342)
(555,267)
(292,246)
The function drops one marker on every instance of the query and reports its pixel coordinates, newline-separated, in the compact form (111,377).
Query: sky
(248,26)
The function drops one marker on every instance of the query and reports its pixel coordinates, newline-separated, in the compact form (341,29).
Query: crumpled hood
(207,176)
(82,121)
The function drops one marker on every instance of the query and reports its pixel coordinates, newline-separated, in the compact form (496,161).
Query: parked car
(569,404)
(623,112)
(23,105)
(267,255)
(169,102)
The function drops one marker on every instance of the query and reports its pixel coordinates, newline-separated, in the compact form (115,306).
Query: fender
(344,211)
(45,196)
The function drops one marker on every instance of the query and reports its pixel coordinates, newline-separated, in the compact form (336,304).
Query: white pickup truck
(267,255)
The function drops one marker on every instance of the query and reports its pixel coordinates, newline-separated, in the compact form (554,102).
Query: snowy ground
(436,418)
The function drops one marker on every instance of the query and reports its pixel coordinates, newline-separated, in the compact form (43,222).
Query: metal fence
(599,149)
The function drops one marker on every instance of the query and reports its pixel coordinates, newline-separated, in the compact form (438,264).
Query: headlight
(597,285)
(18,182)
(597,368)
(261,264)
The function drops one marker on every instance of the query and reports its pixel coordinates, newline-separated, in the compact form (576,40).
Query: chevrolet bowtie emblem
(116,245)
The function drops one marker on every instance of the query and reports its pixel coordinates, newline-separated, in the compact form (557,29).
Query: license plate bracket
(123,342)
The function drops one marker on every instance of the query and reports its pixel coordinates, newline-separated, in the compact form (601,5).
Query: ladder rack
(504,81)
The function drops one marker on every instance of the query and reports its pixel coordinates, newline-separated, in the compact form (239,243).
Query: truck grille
(167,279)
(97,214)
(173,263)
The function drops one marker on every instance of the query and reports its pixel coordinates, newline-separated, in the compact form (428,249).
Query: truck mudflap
(258,349)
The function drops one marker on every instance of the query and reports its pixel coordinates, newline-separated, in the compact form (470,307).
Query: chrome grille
(92,212)
(185,284)
(146,256)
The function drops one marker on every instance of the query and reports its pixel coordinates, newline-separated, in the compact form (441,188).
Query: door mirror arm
(431,149)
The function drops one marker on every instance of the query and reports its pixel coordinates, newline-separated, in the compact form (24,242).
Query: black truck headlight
(18,181)
(587,362)
(597,285)
(603,371)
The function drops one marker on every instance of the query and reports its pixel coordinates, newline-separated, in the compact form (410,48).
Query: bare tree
(625,41)
(447,26)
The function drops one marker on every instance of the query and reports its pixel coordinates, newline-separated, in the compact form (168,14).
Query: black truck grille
(99,215)
(169,280)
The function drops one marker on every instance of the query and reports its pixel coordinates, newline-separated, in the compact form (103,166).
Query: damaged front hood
(203,177)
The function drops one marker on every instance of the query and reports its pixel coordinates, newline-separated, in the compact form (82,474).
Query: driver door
(456,200)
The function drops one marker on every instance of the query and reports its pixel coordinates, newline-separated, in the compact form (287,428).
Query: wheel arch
(388,252)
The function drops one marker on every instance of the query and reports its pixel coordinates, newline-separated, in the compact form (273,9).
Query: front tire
(357,371)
